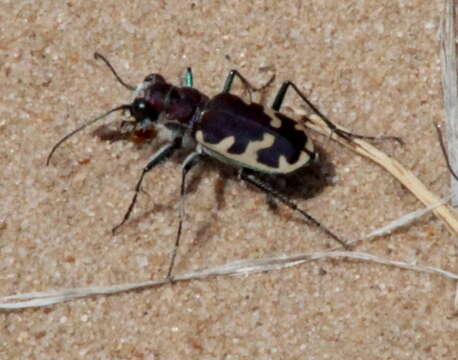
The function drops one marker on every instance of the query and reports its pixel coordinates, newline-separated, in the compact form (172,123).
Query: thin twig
(444,212)
(38,299)
(450,88)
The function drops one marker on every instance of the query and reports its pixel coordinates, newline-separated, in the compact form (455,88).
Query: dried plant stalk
(450,88)
(444,212)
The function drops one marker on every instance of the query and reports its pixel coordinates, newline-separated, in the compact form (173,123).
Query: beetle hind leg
(278,101)
(266,188)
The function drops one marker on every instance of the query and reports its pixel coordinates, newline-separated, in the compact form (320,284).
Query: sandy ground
(370,67)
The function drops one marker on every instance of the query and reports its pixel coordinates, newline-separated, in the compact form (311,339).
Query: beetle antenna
(107,63)
(70,134)
(444,151)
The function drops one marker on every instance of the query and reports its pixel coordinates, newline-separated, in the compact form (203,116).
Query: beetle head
(149,99)
(144,111)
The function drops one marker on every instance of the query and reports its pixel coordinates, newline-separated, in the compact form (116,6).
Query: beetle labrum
(247,136)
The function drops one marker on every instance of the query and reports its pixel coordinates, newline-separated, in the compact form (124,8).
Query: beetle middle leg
(191,160)
(266,188)
(278,101)
(247,85)
(161,155)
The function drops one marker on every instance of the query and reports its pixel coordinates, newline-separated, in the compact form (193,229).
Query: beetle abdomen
(253,137)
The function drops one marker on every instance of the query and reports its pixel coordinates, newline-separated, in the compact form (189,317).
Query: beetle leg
(230,80)
(270,201)
(127,126)
(246,84)
(253,180)
(278,101)
(191,160)
(162,154)
(187,78)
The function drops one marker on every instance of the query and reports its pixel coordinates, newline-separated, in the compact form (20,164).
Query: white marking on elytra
(275,122)
(309,146)
(286,167)
(249,157)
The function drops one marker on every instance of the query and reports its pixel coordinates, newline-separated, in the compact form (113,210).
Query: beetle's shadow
(305,183)
(110,133)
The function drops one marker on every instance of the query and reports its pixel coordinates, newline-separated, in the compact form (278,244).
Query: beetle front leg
(187,78)
(162,154)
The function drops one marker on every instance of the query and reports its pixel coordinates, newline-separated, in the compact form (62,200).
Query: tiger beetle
(253,139)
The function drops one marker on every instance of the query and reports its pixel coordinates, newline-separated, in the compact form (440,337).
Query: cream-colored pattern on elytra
(249,157)
(309,146)
(285,167)
(275,122)
(299,127)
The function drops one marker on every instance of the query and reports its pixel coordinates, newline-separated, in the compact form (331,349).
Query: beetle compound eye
(138,109)
(141,110)
(141,106)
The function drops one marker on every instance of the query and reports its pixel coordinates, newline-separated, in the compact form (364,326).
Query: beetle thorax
(169,109)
